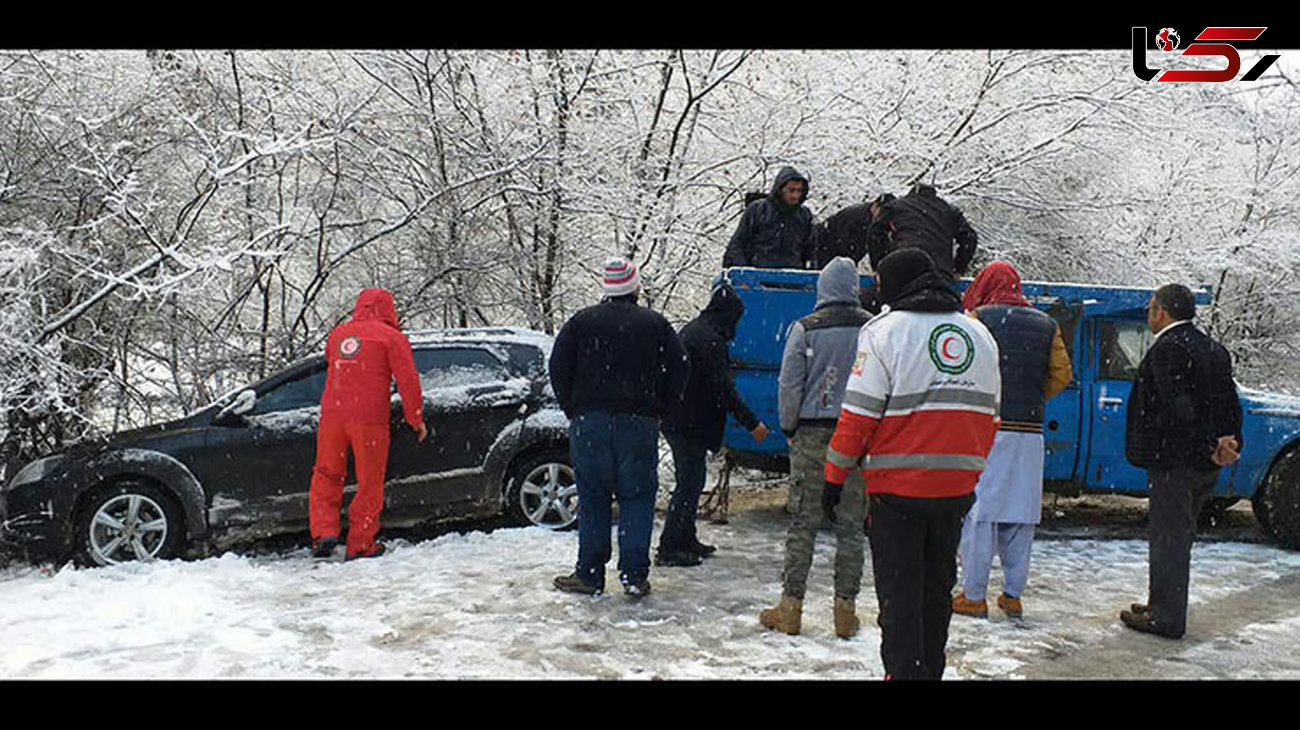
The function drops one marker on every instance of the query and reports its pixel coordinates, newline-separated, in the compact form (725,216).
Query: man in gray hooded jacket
(819,354)
(776,231)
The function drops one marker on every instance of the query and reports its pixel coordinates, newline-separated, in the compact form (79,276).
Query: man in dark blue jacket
(775,232)
(695,427)
(1184,425)
(616,369)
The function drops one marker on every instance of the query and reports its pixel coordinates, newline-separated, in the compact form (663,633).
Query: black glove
(830,497)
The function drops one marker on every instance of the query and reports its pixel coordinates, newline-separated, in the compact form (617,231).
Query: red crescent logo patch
(350,347)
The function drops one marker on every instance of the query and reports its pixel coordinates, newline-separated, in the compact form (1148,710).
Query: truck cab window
(1121,345)
(1067,318)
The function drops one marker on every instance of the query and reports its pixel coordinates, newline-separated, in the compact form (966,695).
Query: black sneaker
(374,552)
(571,583)
(323,548)
(637,590)
(703,550)
(678,558)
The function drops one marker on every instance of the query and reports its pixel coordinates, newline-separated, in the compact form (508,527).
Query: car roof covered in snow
(511,335)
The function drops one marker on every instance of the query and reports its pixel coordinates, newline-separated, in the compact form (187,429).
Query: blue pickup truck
(1106,332)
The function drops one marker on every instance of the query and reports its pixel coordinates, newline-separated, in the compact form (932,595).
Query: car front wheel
(126,522)
(542,491)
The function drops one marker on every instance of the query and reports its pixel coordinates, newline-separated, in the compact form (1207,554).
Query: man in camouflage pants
(818,357)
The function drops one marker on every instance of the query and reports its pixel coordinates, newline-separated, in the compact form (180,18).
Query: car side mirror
(233,414)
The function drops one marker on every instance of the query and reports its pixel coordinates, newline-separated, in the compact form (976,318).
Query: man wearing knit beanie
(616,368)
(621,278)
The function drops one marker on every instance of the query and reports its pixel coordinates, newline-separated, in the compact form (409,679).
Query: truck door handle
(1104,401)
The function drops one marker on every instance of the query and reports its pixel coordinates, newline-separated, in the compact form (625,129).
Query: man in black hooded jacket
(921,219)
(775,232)
(695,426)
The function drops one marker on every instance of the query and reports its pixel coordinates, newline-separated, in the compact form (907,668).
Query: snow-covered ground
(481,605)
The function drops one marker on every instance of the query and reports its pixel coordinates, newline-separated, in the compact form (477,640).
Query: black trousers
(1177,496)
(914,561)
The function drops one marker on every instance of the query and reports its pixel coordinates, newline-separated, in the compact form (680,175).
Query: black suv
(240,468)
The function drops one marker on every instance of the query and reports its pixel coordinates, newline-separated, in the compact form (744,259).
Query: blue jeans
(689,466)
(615,455)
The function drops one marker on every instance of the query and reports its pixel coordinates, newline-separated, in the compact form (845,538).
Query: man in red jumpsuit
(365,355)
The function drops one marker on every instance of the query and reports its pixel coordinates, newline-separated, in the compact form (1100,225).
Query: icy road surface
(480,605)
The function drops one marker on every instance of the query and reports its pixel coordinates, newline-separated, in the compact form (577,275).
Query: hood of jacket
(375,304)
(909,281)
(921,190)
(723,312)
(784,176)
(838,283)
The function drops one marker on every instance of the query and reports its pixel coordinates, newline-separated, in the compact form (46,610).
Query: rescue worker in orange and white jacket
(919,416)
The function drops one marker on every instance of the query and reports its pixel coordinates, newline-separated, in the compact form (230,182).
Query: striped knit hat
(621,277)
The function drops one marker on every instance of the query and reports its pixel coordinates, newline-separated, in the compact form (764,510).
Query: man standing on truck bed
(819,352)
(1184,424)
(1035,366)
(922,406)
(921,219)
(843,234)
(775,232)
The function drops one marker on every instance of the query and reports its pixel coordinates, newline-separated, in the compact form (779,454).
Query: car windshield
(260,386)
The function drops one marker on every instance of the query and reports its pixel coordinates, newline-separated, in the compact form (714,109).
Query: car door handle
(1104,401)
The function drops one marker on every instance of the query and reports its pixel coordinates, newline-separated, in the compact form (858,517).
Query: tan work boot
(1011,606)
(787,616)
(846,618)
(966,607)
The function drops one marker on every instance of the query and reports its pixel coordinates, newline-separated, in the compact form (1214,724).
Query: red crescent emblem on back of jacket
(947,354)
(350,347)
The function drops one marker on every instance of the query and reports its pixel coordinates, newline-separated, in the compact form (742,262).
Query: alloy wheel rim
(548,496)
(126,528)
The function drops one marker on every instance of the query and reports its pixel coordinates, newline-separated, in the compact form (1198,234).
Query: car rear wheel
(126,522)
(1279,500)
(542,491)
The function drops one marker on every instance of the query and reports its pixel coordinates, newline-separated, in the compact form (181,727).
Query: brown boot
(846,618)
(787,616)
(966,607)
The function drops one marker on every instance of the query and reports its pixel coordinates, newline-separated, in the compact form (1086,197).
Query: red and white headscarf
(621,278)
(998,283)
